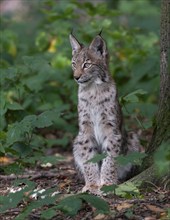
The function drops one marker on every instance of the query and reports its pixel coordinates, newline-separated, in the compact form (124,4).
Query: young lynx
(100,117)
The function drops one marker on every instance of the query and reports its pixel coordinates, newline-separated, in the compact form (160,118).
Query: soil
(153,203)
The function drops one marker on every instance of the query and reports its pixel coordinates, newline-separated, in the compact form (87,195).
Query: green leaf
(15,106)
(12,199)
(50,159)
(47,200)
(42,41)
(18,131)
(21,149)
(47,118)
(2,135)
(44,120)
(133,96)
(61,141)
(127,190)
(48,214)
(100,204)
(28,123)
(14,133)
(97,158)
(13,168)
(70,205)
(29,184)
(2,150)
(110,188)
(133,158)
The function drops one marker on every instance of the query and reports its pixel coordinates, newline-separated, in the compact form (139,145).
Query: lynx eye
(86,65)
(74,65)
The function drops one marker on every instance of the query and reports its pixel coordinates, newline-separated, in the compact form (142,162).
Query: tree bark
(151,176)
(161,131)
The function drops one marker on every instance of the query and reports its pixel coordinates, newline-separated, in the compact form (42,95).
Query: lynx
(100,118)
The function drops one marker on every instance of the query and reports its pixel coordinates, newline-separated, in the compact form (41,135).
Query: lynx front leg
(109,170)
(84,150)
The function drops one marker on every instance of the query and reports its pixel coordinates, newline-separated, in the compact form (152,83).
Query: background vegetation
(38,94)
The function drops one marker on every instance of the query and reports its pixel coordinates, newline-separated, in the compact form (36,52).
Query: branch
(26,176)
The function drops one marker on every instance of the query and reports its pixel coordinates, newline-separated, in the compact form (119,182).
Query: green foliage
(132,97)
(97,158)
(38,199)
(110,188)
(134,158)
(72,204)
(125,190)
(96,202)
(14,198)
(38,93)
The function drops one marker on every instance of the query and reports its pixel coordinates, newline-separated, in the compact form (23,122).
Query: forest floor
(153,203)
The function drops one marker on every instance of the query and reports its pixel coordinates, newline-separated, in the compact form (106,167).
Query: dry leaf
(65,183)
(99,217)
(124,205)
(150,218)
(4,161)
(154,208)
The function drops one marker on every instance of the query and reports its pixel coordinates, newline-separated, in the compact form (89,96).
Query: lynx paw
(93,189)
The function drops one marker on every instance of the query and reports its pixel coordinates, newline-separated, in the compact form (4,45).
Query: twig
(28,176)
(14,210)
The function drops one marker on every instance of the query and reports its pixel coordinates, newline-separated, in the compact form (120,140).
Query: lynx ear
(98,46)
(74,44)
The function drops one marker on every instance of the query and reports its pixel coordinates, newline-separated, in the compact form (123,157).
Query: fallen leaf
(64,184)
(124,205)
(154,208)
(150,218)
(4,161)
(99,217)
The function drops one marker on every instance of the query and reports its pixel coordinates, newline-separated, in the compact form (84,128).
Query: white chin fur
(98,81)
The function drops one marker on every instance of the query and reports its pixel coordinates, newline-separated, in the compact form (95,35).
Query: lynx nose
(77,77)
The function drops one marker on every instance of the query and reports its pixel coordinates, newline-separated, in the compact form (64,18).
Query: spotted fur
(100,117)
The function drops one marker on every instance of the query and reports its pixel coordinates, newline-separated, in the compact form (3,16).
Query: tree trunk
(161,130)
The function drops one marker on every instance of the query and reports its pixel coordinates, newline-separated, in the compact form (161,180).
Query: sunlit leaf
(127,189)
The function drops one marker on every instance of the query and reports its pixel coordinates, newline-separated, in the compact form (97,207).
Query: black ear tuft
(71,32)
(76,46)
(100,33)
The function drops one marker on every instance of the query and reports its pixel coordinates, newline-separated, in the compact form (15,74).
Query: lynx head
(89,63)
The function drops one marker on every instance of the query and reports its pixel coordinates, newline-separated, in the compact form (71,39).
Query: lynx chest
(96,107)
